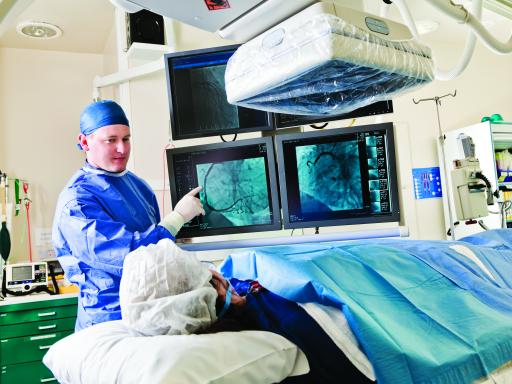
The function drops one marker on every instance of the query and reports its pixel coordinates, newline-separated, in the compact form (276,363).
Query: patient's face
(222,286)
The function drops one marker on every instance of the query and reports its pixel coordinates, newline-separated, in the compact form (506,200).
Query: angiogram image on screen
(211,108)
(329,177)
(234,193)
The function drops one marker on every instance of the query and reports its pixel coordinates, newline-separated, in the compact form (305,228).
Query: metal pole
(437,100)
(443,157)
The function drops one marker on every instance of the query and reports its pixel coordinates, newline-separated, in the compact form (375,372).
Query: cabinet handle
(48,380)
(46,314)
(41,347)
(51,336)
(42,327)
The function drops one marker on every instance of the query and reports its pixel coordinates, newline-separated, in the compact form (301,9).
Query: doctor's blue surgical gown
(100,218)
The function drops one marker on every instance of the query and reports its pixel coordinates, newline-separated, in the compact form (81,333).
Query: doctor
(105,211)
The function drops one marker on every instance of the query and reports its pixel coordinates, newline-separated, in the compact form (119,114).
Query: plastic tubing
(445,7)
(461,14)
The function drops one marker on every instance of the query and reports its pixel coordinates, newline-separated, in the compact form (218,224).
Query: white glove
(190,206)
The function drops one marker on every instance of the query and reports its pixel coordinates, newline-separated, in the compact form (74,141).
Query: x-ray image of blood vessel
(209,99)
(329,177)
(234,192)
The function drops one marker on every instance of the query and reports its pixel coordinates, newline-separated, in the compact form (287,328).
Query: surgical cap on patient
(166,291)
(100,114)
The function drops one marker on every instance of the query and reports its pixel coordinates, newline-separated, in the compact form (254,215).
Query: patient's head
(165,290)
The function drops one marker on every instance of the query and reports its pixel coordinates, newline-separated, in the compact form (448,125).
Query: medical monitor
(197,96)
(240,192)
(282,120)
(338,177)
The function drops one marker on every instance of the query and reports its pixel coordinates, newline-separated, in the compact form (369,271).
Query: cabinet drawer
(35,328)
(28,373)
(28,348)
(39,314)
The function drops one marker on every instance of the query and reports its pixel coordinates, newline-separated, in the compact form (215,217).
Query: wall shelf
(148,52)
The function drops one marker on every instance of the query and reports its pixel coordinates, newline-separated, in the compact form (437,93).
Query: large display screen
(338,177)
(240,192)
(197,97)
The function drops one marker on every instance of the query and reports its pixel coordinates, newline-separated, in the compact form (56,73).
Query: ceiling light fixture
(38,30)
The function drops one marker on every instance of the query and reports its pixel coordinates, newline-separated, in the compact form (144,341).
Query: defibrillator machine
(23,277)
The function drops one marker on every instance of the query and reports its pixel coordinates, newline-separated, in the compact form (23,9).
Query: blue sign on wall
(427,183)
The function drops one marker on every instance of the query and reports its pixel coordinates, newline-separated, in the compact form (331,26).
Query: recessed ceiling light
(38,30)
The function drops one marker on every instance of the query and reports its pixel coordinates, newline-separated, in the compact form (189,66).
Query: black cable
(234,138)
(318,126)
(449,232)
(481,176)
(54,280)
(482,224)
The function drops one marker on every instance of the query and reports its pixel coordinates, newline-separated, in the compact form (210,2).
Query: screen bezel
(368,110)
(394,216)
(274,187)
(173,109)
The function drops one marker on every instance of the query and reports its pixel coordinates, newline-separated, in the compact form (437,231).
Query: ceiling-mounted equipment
(242,20)
(238,20)
(126,6)
(326,60)
(501,7)
(38,30)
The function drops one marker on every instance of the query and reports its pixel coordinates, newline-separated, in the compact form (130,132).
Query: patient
(165,290)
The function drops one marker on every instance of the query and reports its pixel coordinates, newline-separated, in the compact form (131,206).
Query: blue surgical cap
(100,114)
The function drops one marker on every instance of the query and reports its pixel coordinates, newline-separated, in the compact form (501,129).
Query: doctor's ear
(82,140)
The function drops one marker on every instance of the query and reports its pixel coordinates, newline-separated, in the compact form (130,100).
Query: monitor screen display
(239,181)
(22,273)
(197,96)
(282,120)
(338,177)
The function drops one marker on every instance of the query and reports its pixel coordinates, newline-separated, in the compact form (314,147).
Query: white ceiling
(87,24)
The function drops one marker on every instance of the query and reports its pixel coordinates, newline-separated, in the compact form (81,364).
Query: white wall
(41,96)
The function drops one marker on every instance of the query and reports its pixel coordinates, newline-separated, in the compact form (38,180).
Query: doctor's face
(108,148)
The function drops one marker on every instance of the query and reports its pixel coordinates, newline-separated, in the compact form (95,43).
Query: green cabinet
(35,372)
(27,331)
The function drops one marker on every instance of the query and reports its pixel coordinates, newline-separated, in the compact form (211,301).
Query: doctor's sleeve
(97,240)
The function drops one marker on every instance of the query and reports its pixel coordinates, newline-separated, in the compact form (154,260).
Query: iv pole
(441,139)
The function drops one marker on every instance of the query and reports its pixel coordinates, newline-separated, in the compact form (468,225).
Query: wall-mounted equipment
(145,27)
(492,147)
(338,177)
(197,96)
(469,190)
(240,192)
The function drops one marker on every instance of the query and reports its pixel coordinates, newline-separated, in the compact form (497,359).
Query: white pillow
(108,353)
(334,323)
